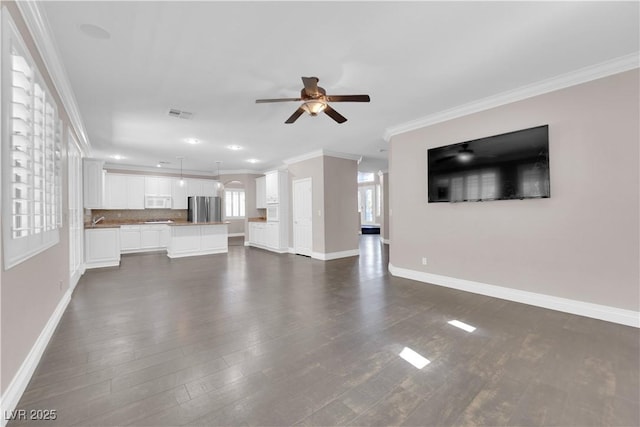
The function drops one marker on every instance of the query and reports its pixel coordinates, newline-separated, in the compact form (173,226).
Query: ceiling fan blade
(295,116)
(262,101)
(334,115)
(348,98)
(311,85)
(446,158)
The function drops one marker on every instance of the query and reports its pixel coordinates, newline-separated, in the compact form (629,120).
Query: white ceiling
(215,58)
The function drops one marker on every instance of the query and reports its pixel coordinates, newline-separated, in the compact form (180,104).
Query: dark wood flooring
(255,338)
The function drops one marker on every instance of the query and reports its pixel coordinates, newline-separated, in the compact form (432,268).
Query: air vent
(174,112)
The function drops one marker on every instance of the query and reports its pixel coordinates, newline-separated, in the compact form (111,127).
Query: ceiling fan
(464,155)
(315,101)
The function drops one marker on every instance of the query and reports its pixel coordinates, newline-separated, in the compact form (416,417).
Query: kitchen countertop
(181,223)
(117,224)
(257,219)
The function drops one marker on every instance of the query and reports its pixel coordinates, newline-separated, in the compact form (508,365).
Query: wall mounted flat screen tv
(513,165)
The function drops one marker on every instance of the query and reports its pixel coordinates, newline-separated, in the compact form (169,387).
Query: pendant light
(181,182)
(220,186)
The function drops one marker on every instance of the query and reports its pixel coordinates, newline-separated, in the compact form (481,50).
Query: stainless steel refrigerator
(204,209)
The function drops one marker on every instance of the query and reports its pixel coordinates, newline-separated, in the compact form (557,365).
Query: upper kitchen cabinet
(135,192)
(201,187)
(124,191)
(276,186)
(93,180)
(115,189)
(261,193)
(179,194)
(157,186)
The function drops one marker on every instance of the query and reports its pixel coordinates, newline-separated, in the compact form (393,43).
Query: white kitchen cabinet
(101,247)
(276,186)
(124,191)
(93,183)
(213,238)
(201,187)
(157,186)
(179,194)
(143,237)
(193,240)
(261,192)
(267,235)
(272,235)
(194,187)
(115,186)
(135,192)
(150,236)
(271,188)
(129,238)
(209,188)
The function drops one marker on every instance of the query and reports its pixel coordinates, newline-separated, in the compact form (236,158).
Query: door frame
(293,212)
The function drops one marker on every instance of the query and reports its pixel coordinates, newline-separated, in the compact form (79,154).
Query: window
(365,177)
(31,157)
(234,203)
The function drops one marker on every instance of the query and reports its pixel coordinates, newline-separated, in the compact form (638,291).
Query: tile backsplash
(138,214)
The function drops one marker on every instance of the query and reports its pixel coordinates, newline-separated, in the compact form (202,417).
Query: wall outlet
(424,260)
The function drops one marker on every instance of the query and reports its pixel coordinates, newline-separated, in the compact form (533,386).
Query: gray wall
(31,290)
(581,244)
(340,204)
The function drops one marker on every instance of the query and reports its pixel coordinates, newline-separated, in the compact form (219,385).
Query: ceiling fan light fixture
(314,106)
(465,156)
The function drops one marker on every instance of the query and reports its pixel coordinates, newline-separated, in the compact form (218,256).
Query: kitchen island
(105,241)
(193,239)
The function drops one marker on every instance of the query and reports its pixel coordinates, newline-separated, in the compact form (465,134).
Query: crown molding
(582,75)
(38,26)
(120,167)
(322,153)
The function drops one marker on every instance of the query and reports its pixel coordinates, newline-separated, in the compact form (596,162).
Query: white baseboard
(581,308)
(102,264)
(235,235)
(73,280)
(267,248)
(334,255)
(13,393)
(173,255)
(292,251)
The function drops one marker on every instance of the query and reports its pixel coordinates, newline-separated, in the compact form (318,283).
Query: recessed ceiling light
(158,165)
(192,141)
(253,160)
(95,32)
(234,147)
(117,157)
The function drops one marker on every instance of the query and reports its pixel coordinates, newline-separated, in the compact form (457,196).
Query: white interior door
(367,203)
(302,217)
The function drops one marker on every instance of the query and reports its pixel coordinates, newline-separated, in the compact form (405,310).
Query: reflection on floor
(255,338)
